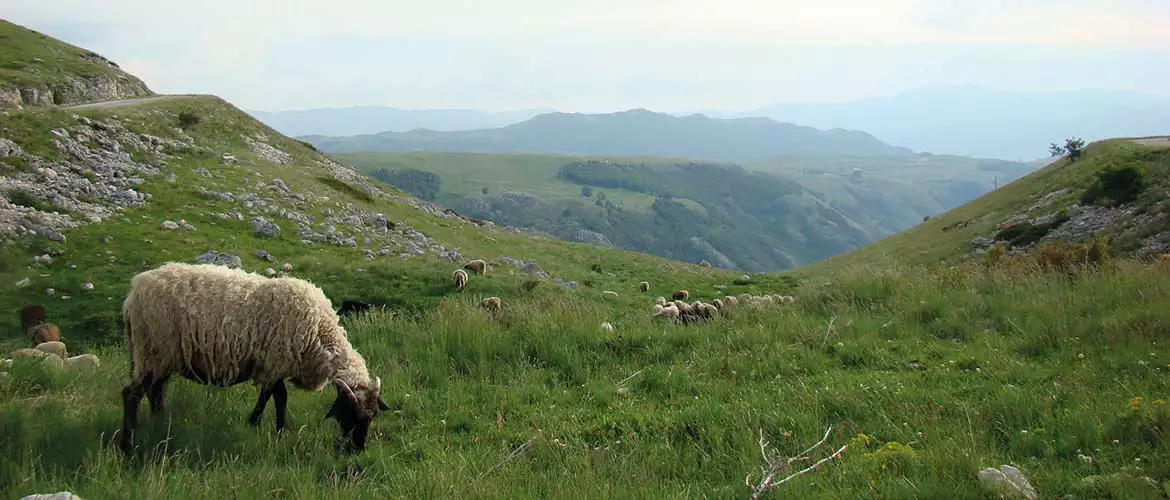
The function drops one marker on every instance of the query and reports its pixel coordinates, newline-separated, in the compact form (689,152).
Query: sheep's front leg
(154,393)
(280,398)
(265,393)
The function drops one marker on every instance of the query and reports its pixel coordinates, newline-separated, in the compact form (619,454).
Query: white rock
(286,267)
(1007,481)
(270,272)
(87,286)
(22,283)
(50,292)
(60,495)
(606,327)
(167,224)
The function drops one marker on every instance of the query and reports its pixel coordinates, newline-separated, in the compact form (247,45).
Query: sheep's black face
(354,410)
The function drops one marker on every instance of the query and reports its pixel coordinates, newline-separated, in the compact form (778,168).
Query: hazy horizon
(675,57)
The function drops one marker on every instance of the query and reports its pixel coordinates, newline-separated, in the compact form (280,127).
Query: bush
(188,119)
(1027,233)
(345,188)
(1116,185)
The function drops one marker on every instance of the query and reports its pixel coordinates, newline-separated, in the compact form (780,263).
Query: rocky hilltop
(38,70)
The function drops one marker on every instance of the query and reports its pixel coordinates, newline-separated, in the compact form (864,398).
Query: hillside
(924,377)
(374,119)
(982,122)
(1049,204)
(36,70)
(628,133)
(684,210)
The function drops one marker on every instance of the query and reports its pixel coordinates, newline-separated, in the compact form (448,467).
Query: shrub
(307,145)
(188,119)
(529,285)
(345,188)
(1026,233)
(1116,185)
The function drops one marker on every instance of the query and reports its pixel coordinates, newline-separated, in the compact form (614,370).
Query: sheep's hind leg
(131,399)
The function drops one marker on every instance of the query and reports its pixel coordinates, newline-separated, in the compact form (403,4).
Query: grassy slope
(58,64)
(939,240)
(465,174)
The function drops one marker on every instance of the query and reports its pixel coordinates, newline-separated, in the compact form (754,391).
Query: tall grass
(968,368)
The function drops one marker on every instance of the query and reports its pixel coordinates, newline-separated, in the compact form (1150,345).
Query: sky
(609,55)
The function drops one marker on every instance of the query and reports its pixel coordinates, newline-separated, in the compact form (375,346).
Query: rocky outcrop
(68,89)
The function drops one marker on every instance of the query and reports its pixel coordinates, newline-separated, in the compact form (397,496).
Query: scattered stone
(203,172)
(219,259)
(983,241)
(270,272)
(286,267)
(185,226)
(60,495)
(528,267)
(263,255)
(229,159)
(268,152)
(87,286)
(50,292)
(746,277)
(264,228)
(44,259)
(169,225)
(22,283)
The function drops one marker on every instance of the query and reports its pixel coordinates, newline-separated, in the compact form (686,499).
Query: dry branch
(775,466)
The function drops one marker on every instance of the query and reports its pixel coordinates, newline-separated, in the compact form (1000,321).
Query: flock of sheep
(47,346)
(220,326)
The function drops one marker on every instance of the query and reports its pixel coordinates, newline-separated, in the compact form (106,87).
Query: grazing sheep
(657,307)
(644,286)
(607,328)
(786,299)
(220,326)
(670,311)
(707,311)
(718,303)
(660,301)
(492,304)
(683,307)
(82,361)
(32,315)
(680,295)
(730,300)
(460,279)
(51,360)
(44,332)
(54,347)
(609,295)
(477,266)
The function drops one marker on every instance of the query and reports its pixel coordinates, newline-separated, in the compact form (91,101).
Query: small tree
(586,191)
(1071,149)
(484,190)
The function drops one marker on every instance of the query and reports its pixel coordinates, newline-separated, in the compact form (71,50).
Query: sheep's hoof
(254,420)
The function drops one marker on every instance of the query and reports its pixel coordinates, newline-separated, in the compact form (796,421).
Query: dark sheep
(32,315)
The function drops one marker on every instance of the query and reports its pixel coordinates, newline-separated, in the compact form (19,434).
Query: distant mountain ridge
(987,123)
(374,119)
(636,132)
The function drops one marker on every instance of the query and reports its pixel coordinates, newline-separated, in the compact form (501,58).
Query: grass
(968,369)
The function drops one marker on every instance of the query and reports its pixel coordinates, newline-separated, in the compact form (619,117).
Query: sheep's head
(355,408)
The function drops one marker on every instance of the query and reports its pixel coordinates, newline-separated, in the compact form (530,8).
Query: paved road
(127,102)
(1155,141)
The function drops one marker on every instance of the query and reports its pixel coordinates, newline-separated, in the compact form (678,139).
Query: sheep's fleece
(214,321)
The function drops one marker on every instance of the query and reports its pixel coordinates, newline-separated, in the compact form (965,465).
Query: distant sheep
(492,304)
(32,315)
(477,266)
(670,311)
(53,347)
(609,295)
(730,300)
(644,286)
(607,328)
(82,361)
(680,295)
(44,332)
(220,326)
(718,303)
(657,307)
(660,301)
(460,279)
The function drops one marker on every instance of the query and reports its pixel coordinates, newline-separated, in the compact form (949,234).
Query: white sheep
(644,286)
(607,328)
(670,311)
(492,304)
(82,361)
(220,326)
(460,279)
(54,347)
(609,295)
(660,301)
